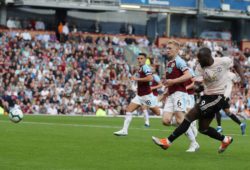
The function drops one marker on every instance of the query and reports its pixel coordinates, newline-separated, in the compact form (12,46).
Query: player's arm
(157,86)
(144,79)
(198,86)
(147,71)
(159,82)
(198,80)
(239,70)
(186,75)
(198,83)
(191,86)
(164,96)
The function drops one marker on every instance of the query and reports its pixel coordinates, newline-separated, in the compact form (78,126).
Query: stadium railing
(163,40)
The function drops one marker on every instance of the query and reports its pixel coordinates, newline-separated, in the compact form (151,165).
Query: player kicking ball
(213,73)
(144,94)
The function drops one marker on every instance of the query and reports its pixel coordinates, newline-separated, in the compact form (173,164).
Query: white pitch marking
(98,126)
(80,125)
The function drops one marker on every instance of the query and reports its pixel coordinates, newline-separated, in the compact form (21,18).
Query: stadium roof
(227,9)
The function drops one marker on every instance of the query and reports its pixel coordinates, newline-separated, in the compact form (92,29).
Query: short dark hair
(143,54)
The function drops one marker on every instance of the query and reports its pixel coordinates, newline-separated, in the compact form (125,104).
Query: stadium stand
(86,66)
(80,76)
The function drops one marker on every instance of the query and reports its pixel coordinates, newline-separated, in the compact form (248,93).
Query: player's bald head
(204,57)
(204,52)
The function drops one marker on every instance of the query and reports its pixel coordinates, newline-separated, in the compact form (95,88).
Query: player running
(177,73)
(232,78)
(155,85)
(144,94)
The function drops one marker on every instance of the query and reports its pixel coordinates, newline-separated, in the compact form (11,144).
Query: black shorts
(226,104)
(210,104)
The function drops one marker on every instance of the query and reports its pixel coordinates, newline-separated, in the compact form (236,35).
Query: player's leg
(160,105)
(181,102)
(167,118)
(146,115)
(205,129)
(192,133)
(190,105)
(194,127)
(180,106)
(236,120)
(203,110)
(194,146)
(242,115)
(226,108)
(218,120)
(173,121)
(168,111)
(175,105)
(135,103)
(232,116)
(152,103)
(192,115)
(209,105)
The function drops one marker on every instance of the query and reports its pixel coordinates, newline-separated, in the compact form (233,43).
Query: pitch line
(98,126)
(86,125)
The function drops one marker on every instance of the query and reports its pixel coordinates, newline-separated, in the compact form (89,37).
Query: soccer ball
(16,115)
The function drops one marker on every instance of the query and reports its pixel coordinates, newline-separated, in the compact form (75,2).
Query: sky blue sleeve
(198,73)
(156,78)
(181,64)
(147,70)
(192,72)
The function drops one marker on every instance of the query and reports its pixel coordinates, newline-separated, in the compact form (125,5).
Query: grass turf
(88,143)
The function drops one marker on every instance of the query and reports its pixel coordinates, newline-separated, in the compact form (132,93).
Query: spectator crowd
(16,23)
(83,73)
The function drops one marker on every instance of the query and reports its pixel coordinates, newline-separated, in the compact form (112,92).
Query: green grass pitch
(88,143)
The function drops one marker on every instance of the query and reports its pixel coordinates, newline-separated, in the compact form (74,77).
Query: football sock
(161,111)
(146,116)
(211,132)
(235,118)
(194,128)
(225,140)
(218,119)
(134,113)
(190,134)
(182,128)
(242,115)
(127,121)
(242,124)
(173,121)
